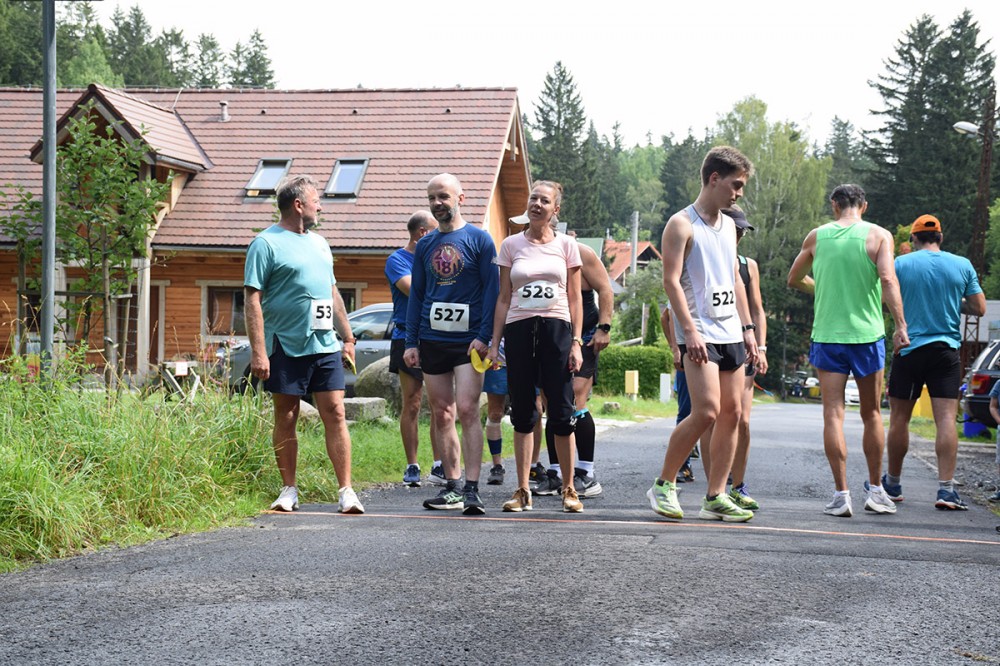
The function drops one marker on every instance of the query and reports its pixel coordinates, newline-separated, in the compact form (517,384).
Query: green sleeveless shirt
(848,306)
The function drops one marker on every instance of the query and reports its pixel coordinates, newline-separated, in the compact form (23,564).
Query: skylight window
(267,176)
(345,181)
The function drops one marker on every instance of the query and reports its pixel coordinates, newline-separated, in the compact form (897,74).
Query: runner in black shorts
(598,302)
(449,316)
(937,288)
(398,272)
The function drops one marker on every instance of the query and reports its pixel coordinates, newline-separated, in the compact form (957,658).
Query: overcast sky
(654,67)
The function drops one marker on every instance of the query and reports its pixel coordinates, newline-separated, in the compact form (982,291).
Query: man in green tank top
(852,274)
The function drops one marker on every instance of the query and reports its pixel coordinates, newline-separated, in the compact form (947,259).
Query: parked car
(979,381)
(371,325)
(851,394)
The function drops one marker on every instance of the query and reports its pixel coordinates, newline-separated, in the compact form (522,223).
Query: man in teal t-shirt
(292,308)
(851,262)
(937,288)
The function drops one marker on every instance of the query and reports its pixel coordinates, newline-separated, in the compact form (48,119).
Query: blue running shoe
(411,477)
(950,501)
(893,490)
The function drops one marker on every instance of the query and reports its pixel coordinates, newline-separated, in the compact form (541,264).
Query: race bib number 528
(450,317)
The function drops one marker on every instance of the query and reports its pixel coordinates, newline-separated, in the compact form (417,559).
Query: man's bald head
(421,222)
(445,198)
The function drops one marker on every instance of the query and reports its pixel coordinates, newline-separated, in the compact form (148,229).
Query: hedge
(649,361)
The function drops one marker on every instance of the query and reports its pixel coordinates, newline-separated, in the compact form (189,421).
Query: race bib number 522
(722,304)
(450,317)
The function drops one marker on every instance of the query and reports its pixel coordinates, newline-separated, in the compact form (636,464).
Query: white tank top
(708,281)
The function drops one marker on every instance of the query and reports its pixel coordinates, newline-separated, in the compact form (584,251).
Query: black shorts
(728,357)
(936,364)
(438,358)
(588,369)
(397,364)
(299,375)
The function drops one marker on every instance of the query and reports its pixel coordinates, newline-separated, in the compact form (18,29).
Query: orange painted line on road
(658,523)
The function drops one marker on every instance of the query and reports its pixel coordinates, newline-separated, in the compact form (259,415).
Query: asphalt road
(615,585)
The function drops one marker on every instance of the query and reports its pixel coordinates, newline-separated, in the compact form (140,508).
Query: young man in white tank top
(713,327)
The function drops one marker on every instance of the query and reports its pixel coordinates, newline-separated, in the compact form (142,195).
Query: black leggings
(537,352)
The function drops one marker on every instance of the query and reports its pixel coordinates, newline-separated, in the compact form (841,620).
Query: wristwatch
(762,348)
(604,327)
(578,340)
(749,327)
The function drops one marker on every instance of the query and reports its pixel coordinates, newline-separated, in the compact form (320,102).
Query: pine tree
(133,53)
(21,43)
(259,73)
(850,163)
(177,54)
(922,166)
(558,139)
(210,64)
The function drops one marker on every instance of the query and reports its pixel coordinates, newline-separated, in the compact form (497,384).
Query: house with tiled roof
(618,258)
(223,152)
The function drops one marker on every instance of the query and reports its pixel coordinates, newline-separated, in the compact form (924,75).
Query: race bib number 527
(450,317)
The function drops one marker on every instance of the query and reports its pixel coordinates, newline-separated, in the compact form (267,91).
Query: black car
(982,376)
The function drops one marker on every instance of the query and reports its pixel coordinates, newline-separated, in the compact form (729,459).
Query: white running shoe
(288,500)
(349,502)
(877,500)
(840,507)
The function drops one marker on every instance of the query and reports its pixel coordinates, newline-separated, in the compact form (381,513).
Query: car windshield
(370,325)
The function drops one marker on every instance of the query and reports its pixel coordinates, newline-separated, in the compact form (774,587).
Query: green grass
(925,428)
(81,469)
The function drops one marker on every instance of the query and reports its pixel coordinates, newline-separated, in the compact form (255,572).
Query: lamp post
(981,217)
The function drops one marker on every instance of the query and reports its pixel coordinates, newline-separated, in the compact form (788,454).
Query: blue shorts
(495,381)
(299,375)
(860,360)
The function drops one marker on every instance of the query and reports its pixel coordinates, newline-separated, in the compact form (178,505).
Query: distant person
(713,328)
(853,271)
(598,301)
(398,269)
(293,307)
(995,413)
(539,317)
(453,291)
(937,288)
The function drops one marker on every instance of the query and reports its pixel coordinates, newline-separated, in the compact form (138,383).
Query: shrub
(649,361)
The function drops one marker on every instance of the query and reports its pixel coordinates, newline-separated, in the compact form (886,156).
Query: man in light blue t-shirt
(292,309)
(937,288)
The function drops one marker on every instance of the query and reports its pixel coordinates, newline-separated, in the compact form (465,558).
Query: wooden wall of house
(183,277)
(8,301)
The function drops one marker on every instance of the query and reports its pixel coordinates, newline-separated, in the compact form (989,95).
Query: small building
(618,258)
(224,151)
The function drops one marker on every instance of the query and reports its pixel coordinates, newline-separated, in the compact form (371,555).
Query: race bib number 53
(450,317)
(322,314)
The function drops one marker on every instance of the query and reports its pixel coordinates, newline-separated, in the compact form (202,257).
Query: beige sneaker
(349,502)
(521,501)
(571,501)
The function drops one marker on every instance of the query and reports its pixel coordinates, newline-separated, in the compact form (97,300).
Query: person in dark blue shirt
(453,291)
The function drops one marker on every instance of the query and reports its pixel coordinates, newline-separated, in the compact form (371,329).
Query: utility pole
(48,322)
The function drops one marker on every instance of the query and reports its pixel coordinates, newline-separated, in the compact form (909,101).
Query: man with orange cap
(937,287)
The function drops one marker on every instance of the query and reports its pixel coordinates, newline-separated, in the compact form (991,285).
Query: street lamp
(981,218)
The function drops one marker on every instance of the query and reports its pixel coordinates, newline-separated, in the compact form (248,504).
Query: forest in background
(913,163)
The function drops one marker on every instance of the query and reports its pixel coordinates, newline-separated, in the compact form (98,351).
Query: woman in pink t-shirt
(539,315)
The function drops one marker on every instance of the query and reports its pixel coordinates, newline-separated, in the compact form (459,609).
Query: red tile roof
(408,136)
(620,255)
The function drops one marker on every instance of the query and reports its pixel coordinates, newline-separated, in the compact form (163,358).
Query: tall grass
(80,468)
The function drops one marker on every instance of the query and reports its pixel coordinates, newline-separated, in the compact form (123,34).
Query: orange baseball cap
(926,223)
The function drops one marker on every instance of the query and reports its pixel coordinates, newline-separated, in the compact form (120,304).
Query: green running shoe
(723,508)
(741,498)
(663,499)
